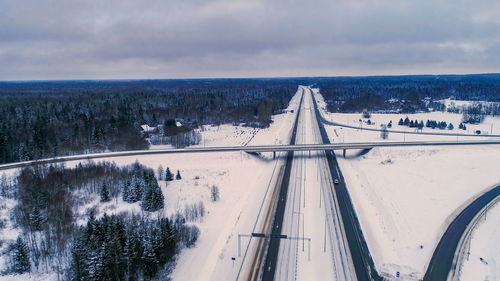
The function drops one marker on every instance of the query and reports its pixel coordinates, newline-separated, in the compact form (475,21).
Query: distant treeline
(407,93)
(46,119)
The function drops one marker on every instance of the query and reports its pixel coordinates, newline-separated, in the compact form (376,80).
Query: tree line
(408,94)
(47,119)
(433,124)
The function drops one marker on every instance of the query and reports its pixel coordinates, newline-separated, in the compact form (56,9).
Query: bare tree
(214,193)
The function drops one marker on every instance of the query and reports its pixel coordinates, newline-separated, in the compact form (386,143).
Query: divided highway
(363,262)
(315,233)
(311,243)
(269,265)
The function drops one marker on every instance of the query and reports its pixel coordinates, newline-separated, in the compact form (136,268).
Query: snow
(309,213)
(146,128)
(484,245)
(490,126)
(406,197)
(9,232)
(460,104)
(243,180)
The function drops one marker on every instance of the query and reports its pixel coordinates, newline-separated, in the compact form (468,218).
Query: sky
(127,39)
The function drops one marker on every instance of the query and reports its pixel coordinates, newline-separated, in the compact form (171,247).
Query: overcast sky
(61,39)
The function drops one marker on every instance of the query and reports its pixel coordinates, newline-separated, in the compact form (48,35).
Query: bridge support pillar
(343,153)
(274,155)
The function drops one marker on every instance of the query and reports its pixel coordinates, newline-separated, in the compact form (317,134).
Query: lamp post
(303,227)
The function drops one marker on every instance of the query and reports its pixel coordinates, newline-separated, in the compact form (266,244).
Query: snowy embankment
(406,197)
(242,180)
(483,263)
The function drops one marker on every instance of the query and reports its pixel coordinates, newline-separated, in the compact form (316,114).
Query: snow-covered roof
(147,128)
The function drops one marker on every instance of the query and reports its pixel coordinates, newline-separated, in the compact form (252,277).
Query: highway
(259,148)
(322,238)
(444,256)
(316,248)
(361,257)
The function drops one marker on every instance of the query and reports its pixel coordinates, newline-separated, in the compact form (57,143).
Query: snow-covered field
(242,180)
(406,197)
(490,126)
(483,263)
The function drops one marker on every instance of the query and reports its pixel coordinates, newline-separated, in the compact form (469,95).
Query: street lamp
(303,227)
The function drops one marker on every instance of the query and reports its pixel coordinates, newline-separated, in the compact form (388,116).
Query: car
(336,181)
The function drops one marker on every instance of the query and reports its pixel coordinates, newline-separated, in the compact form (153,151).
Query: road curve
(328,122)
(442,259)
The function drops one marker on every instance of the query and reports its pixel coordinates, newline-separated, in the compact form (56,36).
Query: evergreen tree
(105,197)
(79,261)
(149,261)
(401,122)
(407,121)
(130,255)
(21,258)
(36,219)
(147,198)
(126,191)
(126,248)
(450,126)
(178,175)
(168,175)
(95,265)
(152,199)
(136,189)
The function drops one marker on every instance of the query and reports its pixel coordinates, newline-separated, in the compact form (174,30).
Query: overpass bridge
(259,148)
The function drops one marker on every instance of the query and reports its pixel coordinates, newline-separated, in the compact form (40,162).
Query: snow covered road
(311,213)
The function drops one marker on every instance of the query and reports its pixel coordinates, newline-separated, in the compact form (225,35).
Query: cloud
(58,39)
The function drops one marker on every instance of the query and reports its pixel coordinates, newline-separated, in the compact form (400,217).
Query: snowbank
(483,263)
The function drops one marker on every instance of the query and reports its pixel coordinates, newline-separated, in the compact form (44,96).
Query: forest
(53,201)
(407,94)
(54,118)
(43,119)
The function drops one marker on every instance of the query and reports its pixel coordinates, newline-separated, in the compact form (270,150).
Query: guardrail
(261,148)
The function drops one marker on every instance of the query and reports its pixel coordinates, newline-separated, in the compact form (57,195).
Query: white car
(336,181)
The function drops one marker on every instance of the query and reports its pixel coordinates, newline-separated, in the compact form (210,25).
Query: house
(147,129)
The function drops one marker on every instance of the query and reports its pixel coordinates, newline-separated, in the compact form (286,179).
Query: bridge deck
(262,148)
